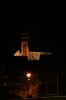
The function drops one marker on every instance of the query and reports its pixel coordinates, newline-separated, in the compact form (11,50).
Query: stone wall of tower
(24,48)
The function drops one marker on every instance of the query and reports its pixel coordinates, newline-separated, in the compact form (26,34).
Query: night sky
(46,29)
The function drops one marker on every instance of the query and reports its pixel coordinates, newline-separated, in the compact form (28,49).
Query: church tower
(24,49)
(24,45)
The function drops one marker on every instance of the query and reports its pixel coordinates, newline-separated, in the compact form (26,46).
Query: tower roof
(24,34)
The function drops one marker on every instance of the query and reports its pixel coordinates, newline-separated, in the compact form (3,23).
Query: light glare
(28,75)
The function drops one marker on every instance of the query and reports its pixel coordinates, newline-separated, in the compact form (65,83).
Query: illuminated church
(25,51)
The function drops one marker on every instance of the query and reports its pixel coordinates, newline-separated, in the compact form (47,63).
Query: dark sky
(46,28)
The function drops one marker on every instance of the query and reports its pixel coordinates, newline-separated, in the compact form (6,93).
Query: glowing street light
(28,75)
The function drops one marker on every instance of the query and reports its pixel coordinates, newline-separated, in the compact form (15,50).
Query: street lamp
(28,75)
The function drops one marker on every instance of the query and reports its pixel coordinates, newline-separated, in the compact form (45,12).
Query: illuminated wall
(34,55)
(17,53)
(31,55)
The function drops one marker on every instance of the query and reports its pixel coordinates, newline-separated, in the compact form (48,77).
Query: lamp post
(57,79)
(28,75)
(46,87)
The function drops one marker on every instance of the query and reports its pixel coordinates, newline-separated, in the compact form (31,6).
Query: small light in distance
(28,75)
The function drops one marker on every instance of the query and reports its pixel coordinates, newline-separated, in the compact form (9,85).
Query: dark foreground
(44,98)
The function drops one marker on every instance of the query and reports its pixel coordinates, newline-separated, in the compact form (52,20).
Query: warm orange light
(28,75)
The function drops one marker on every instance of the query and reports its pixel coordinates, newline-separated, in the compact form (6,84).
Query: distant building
(26,52)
